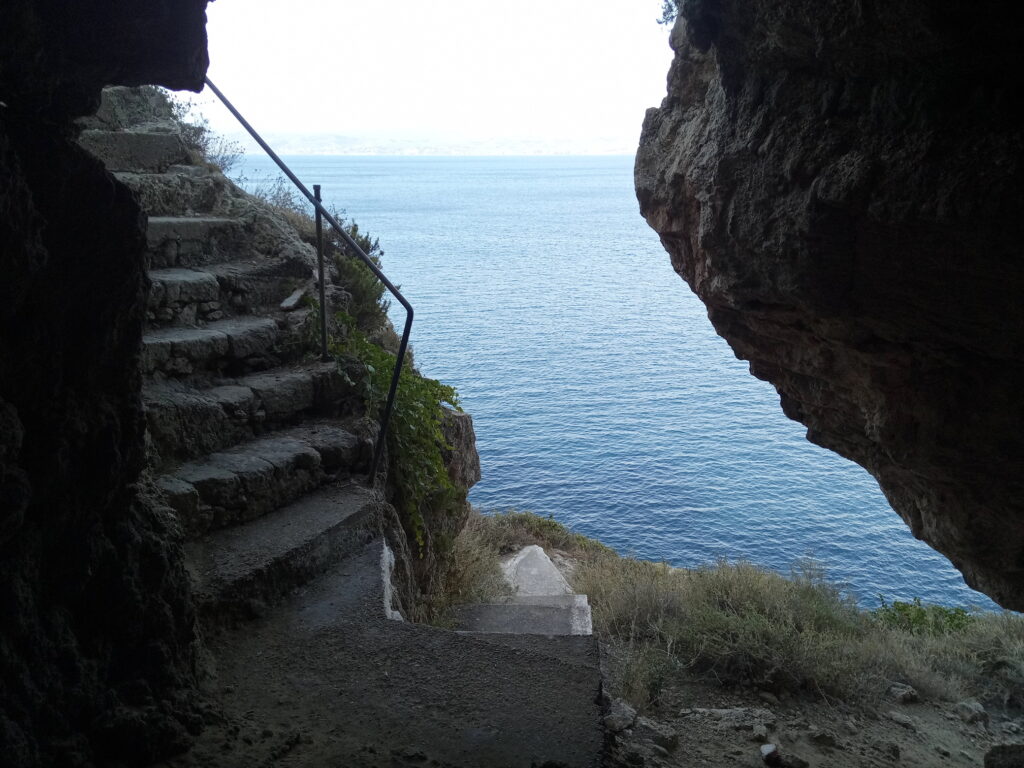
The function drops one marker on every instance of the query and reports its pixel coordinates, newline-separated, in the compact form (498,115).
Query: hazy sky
(544,73)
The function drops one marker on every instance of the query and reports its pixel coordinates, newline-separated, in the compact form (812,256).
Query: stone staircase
(255,443)
(259,449)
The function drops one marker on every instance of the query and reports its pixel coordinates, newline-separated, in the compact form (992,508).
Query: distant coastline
(324,145)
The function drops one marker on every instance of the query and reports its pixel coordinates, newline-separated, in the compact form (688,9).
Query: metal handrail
(318,206)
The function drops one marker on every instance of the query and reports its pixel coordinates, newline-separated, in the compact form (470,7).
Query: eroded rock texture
(841,184)
(96,625)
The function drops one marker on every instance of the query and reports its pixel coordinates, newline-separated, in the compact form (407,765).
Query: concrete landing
(327,680)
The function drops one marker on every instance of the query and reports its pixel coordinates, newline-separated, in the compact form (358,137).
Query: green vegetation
(919,618)
(368,304)
(364,344)
(415,439)
(669,11)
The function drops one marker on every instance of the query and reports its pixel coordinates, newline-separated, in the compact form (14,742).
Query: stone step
(147,150)
(237,571)
(246,286)
(181,189)
(233,346)
(186,423)
(185,296)
(254,478)
(189,241)
(526,618)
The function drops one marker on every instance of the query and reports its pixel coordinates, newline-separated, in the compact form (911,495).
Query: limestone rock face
(841,184)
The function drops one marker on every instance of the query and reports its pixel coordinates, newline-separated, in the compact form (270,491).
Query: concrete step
(186,423)
(189,241)
(237,571)
(186,296)
(446,699)
(148,150)
(232,347)
(526,618)
(254,478)
(181,189)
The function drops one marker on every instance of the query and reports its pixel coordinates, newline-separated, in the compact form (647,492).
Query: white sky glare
(444,77)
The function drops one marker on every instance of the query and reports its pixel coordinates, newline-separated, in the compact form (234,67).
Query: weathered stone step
(186,423)
(236,571)
(146,150)
(185,296)
(526,618)
(252,479)
(231,346)
(188,241)
(180,190)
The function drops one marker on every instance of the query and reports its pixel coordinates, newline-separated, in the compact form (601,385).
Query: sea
(600,394)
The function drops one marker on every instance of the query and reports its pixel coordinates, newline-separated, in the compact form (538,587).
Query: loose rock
(889,749)
(1005,756)
(905,720)
(825,738)
(971,711)
(770,755)
(659,734)
(904,694)
(620,717)
(759,734)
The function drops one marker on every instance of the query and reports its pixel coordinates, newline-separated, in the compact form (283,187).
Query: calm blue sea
(600,393)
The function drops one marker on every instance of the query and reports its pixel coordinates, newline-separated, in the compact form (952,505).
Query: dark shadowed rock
(843,188)
(1005,756)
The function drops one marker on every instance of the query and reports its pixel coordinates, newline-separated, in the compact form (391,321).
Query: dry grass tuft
(510,531)
(737,623)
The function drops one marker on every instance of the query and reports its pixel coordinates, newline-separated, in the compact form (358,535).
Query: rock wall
(841,184)
(96,625)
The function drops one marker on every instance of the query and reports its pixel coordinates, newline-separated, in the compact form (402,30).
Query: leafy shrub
(669,11)
(415,439)
(918,618)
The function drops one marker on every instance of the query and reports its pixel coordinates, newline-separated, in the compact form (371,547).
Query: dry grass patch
(740,624)
(510,531)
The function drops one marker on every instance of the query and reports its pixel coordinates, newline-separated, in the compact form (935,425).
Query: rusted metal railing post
(320,275)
